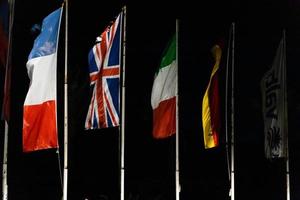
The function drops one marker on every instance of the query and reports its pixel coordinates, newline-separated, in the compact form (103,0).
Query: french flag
(39,111)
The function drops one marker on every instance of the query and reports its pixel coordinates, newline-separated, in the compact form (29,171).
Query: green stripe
(169,54)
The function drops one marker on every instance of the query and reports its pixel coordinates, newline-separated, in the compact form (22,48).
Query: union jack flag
(104,67)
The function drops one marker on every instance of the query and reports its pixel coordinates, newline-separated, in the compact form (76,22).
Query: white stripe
(109,98)
(42,75)
(96,56)
(95,113)
(165,85)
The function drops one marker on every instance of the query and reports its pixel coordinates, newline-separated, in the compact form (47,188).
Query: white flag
(274,106)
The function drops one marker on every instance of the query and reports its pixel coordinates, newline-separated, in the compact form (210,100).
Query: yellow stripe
(206,115)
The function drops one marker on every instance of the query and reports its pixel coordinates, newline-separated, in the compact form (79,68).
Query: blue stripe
(109,121)
(114,57)
(95,122)
(45,44)
(113,86)
(92,62)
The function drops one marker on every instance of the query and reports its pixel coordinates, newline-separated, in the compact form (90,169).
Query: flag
(104,67)
(3,31)
(274,106)
(211,106)
(163,96)
(39,111)
(6,24)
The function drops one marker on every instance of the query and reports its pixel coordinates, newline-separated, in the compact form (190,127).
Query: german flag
(211,106)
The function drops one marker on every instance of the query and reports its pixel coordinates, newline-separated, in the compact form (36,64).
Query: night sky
(149,163)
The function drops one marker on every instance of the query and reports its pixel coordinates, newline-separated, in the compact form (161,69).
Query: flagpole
(4,165)
(286,121)
(232,114)
(287,173)
(226,106)
(65,182)
(11,4)
(177,118)
(122,134)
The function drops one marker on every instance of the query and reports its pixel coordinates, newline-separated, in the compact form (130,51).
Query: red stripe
(114,121)
(94,77)
(164,119)
(110,71)
(103,46)
(100,101)
(98,85)
(39,127)
(101,52)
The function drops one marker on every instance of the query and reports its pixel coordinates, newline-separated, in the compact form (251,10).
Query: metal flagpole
(287,172)
(122,134)
(4,165)
(232,114)
(65,182)
(11,4)
(177,118)
(286,122)
(226,105)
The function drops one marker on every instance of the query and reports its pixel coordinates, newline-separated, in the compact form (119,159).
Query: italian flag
(163,97)
(210,105)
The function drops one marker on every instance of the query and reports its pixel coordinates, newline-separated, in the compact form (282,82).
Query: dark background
(150,164)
